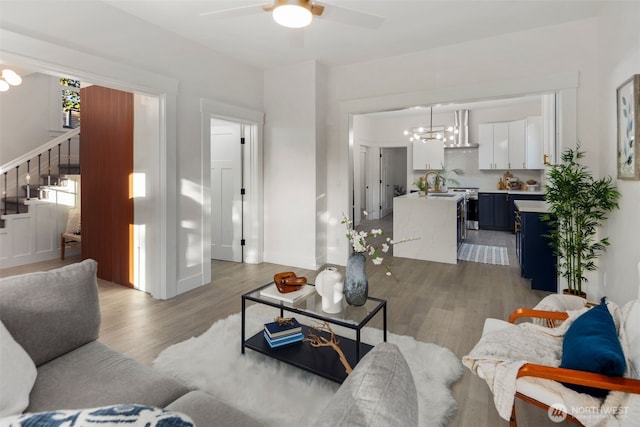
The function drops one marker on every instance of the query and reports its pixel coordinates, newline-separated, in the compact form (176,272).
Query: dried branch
(320,341)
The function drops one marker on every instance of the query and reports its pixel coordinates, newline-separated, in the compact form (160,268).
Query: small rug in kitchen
(257,384)
(482,253)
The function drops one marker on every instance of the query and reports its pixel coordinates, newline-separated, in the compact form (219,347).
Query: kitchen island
(432,220)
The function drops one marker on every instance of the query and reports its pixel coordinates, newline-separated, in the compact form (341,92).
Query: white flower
(369,243)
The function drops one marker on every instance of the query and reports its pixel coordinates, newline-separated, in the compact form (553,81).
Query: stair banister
(18,189)
(33,153)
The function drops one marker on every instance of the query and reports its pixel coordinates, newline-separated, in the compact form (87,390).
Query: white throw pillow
(17,375)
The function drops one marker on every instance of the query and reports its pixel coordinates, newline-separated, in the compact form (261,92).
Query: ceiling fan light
(11,77)
(292,15)
(4,86)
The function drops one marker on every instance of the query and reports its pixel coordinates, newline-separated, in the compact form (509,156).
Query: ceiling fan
(300,13)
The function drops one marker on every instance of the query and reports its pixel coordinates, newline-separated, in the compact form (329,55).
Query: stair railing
(26,159)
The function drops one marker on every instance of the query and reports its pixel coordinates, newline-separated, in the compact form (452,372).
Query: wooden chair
(71,237)
(623,384)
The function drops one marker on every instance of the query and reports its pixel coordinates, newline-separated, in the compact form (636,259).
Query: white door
(226,185)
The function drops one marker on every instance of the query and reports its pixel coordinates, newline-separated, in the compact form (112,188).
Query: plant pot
(574,292)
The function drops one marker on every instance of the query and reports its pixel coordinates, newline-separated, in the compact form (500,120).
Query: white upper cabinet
(535,143)
(485,150)
(511,145)
(517,149)
(493,152)
(428,155)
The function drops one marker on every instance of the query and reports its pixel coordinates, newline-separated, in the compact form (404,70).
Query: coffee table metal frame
(302,355)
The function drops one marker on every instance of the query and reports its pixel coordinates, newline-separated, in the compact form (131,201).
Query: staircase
(52,162)
(38,189)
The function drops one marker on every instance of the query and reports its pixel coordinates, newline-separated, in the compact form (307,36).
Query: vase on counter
(356,284)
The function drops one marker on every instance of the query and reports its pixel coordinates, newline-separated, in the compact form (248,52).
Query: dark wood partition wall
(106,156)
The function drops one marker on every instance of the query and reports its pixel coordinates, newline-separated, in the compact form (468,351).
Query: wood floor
(433,302)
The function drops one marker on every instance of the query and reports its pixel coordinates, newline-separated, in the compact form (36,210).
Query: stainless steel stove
(472,205)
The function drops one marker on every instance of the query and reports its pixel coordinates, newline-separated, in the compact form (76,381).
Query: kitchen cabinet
(535,143)
(493,211)
(496,211)
(512,205)
(428,155)
(535,255)
(518,144)
(493,152)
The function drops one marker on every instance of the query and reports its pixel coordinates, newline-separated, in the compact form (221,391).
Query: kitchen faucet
(435,181)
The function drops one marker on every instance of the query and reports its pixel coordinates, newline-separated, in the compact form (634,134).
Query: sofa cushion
(591,344)
(207,411)
(17,375)
(109,416)
(96,375)
(50,313)
(379,392)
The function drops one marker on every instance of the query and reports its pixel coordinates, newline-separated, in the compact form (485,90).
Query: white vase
(329,285)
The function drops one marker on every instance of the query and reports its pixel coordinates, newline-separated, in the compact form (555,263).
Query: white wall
(290,162)
(321,165)
(146,211)
(620,59)
(24,117)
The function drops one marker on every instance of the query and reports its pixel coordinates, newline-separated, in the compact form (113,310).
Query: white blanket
(498,356)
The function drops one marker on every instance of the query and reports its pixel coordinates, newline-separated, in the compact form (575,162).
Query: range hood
(461,123)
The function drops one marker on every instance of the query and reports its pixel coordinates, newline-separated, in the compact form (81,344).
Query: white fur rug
(259,385)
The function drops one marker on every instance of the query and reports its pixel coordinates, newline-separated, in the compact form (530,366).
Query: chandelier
(440,133)
(9,77)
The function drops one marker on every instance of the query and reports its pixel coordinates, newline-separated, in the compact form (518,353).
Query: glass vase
(356,285)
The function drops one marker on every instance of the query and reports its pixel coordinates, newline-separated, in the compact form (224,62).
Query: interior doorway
(393,176)
(226,190)
(381,176)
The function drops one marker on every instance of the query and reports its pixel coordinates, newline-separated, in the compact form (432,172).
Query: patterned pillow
(108,416)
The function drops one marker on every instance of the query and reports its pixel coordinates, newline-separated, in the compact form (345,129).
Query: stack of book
(285,332)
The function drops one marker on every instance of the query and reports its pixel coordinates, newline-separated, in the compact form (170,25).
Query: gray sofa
(55,317)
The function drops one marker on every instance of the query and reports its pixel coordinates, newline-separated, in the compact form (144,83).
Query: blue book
(277,330)
(283,341)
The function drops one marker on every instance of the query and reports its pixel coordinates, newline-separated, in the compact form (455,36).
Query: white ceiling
(408,26)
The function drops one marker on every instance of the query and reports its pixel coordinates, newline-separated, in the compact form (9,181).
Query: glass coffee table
(320,361)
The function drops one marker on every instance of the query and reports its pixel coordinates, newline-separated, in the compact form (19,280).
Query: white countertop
(452,196)
(535,206)
(493,190)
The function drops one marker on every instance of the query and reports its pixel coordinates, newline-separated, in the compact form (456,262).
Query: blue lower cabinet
(537,261)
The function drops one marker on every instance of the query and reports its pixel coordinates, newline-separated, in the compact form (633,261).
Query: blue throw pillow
(591,344)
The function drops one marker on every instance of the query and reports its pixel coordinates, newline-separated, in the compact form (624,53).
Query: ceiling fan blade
(236,11)
(351,17)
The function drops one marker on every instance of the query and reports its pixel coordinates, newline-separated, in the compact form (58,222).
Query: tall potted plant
(578,205)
